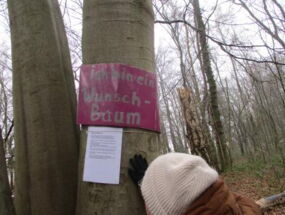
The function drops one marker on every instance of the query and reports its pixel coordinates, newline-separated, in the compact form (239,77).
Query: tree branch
(9,131)
(221,44)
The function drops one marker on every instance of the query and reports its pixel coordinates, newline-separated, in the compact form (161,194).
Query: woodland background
(221,74)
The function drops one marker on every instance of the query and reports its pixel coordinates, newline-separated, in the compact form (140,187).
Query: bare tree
(6,202)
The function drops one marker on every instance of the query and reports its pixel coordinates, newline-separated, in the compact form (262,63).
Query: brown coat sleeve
(219,200)
(247,206)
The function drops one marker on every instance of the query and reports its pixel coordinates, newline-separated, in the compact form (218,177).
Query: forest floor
(255,186)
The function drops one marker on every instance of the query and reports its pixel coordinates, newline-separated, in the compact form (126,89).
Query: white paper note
(103,155)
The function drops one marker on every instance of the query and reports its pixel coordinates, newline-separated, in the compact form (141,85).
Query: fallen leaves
(255,187)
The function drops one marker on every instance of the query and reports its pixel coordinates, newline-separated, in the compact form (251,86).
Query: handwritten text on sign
(117,95)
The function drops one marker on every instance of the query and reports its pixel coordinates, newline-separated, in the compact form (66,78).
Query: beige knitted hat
(173,181)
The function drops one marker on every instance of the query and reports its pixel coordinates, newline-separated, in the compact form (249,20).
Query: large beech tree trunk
(44,99)
(118,31)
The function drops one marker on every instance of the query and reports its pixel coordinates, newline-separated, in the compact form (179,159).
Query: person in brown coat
(183,184)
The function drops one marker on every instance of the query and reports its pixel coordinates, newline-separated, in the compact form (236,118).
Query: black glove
(138,167)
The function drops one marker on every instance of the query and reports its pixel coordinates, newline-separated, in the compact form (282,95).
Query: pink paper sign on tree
(117,95)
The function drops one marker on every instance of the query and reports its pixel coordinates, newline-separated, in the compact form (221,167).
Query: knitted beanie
(173,181)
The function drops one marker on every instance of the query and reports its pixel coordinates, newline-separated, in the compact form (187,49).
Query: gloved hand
(138,167)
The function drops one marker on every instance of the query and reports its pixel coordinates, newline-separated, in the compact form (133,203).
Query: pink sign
(117,95)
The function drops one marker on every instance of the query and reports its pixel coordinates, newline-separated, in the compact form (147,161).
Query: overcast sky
(159,29)
(237,16)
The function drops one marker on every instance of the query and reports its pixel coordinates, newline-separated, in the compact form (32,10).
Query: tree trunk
(46,135)
(6,202)
(118,32)
(195,135)
(207,69)
(177,146)
(163,138)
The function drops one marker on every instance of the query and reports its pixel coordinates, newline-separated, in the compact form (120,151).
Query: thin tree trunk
(118,32)
(177,116)
(178,147)
(207,69)
(163,138)
(46,135)
(6,202)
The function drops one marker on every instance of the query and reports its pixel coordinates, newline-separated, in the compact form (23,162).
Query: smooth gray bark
(46,135)
(118,31)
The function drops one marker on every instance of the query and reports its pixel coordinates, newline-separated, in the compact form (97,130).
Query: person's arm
(247,206)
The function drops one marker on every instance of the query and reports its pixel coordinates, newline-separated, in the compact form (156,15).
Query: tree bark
(46,135)
(195,135)
(118,31)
